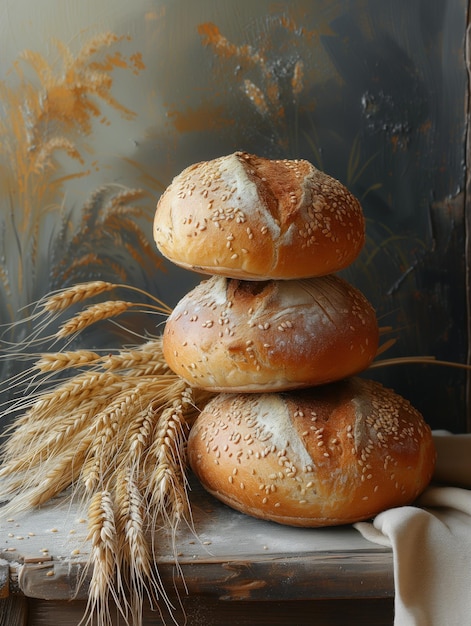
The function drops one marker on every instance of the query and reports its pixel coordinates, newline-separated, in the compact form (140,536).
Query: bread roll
(232,335)
(247,217)
(329,455)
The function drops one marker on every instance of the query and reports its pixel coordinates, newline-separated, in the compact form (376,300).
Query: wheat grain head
(93,314)
(65,298)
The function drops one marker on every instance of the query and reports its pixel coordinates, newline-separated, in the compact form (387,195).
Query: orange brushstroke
(211,35)
(205,117)
(137,62)
(45,117)
(266,93)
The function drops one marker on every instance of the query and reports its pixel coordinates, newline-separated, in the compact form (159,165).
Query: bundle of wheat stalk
(114,431)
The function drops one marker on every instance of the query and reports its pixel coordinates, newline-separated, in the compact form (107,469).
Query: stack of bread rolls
(292,434)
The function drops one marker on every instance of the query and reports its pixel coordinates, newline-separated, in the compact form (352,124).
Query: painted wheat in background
(48,110)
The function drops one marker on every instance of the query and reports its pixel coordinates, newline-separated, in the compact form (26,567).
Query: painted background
(103,102)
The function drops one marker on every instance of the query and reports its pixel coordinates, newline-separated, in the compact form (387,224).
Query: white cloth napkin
(431,542)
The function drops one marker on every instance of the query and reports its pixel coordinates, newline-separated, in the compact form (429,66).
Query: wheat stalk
(93,314)
(415,360)
(77,390)
(65,298)
(115,434)
(137,359)
(46,450)
(134,553)
(109,430)
(56,361)
(43,431)
(167,455)
(140,434)
(51,476)
(65,431)
(63,473)
(104,546)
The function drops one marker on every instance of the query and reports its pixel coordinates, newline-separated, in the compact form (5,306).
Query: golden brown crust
(247,217)
(232,335)
(329,455)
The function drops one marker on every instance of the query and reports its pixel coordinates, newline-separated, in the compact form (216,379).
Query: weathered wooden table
(234,569)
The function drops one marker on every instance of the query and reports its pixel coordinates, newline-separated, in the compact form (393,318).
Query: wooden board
(228,556)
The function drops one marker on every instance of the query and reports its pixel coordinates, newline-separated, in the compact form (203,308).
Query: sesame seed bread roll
(329,455)
(248,217)
(233,335)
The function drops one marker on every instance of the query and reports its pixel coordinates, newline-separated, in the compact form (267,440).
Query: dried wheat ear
(114,432)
